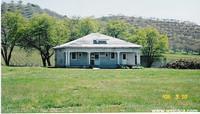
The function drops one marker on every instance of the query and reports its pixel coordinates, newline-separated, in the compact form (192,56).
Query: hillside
(27,9)
(183,36)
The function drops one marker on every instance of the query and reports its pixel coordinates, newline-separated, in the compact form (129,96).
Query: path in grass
(85,90)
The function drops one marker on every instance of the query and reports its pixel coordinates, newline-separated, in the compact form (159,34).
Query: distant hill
(183,36)
(27,9)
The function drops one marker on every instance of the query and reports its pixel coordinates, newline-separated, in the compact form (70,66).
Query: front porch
(101,59)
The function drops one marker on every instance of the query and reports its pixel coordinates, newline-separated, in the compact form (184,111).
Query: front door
(124,58)
(97,61)
(94,59)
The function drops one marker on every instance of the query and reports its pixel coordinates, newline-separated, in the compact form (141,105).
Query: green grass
(34,89)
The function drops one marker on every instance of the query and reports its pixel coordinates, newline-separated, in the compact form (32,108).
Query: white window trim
(111,56)
(76,55)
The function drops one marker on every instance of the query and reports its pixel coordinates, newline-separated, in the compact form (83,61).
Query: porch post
(68,58)
(88,58)
(118,58)
(138,58)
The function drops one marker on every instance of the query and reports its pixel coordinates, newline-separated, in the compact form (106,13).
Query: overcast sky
(185,10)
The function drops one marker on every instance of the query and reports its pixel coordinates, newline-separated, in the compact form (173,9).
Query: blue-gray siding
(82,59)
(105,60)
(60,58)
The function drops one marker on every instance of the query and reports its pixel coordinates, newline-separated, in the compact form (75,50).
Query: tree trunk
(7,63)
(10,54)
(46,58)
(6,55)
(44,62)
(48,61)
(43,59)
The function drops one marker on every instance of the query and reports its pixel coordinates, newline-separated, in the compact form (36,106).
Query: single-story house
(97,50)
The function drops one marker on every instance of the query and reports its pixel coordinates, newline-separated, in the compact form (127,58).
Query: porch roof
(88,42)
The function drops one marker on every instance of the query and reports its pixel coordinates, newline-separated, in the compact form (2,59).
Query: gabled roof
(88,41)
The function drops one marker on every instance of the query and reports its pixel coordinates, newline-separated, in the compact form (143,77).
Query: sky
(184,10)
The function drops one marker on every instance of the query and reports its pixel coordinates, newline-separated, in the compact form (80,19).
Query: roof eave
(96,47)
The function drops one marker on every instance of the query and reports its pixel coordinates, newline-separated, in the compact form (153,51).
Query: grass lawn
(34,89)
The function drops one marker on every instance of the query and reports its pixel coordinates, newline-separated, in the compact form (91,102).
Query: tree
(88,25)
(81,27)
(12,30)
(73,24)
(117,28)
(153,43)
(44,33)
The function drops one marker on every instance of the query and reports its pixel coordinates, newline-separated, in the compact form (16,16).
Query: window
(112,55)
(124,56)
(74,55)
(101,41)
(95,42)
(96,56)
(79,54)
(102,54)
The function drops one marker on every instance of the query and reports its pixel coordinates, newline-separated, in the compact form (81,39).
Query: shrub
(184,64)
